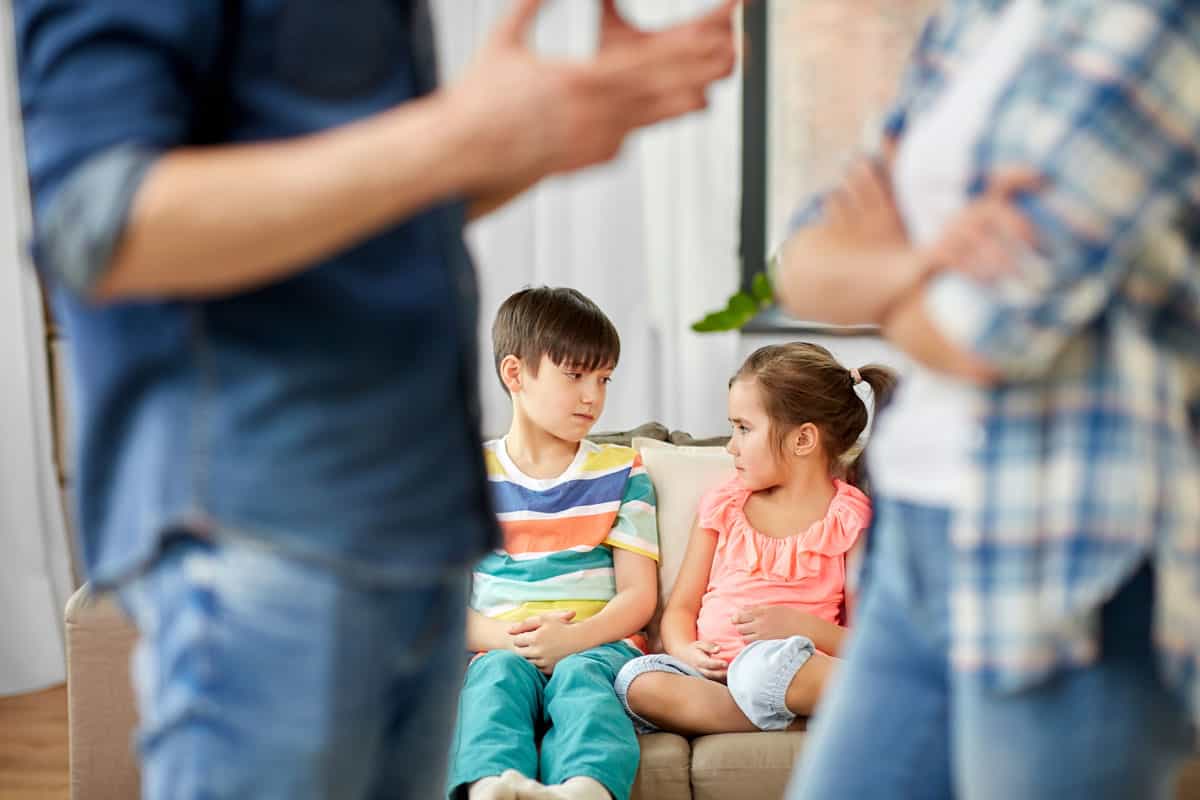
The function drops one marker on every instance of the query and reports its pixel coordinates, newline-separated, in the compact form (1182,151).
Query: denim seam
(201,410)
(778,696)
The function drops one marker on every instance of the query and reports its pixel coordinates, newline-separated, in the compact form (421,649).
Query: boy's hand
(701,655)
(986,238)
(769,622)
(545,639)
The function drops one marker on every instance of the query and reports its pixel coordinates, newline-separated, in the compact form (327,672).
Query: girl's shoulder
(720,505)
(847,518)
(850,505)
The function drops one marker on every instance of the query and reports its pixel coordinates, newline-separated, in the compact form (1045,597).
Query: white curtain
(651,237)
(35,572)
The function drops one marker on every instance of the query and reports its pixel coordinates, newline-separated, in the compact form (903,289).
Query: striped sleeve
(636,526)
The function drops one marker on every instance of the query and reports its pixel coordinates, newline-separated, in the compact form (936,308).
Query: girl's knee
(647,690)
(808,684)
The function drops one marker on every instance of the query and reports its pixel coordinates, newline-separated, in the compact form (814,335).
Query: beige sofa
(746,766)
(741,766)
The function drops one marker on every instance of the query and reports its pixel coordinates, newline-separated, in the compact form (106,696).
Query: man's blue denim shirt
(333,415)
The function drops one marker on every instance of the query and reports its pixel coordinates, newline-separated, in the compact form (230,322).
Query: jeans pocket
(173,608)
(339,50)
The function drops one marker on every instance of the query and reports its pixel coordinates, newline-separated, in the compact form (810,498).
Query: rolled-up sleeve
(1106,109)
(106,87)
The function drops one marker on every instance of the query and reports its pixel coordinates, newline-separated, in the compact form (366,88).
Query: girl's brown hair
(802,382)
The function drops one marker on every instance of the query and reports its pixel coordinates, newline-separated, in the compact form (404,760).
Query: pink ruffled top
(806,570)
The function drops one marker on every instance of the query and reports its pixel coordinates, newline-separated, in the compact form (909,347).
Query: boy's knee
(578,667)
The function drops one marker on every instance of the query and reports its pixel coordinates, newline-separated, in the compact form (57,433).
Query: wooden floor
(33,749)
(33,746)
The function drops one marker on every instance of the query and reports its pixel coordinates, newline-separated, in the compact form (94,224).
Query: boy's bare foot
(496,787)
(574,789)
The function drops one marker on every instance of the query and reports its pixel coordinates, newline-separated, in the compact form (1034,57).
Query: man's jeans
(259,676)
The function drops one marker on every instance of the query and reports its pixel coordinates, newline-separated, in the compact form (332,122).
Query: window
(817,78)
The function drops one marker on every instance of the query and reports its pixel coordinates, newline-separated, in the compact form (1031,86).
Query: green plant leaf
(739,309)
(760,287)
(718,321)
(741,303)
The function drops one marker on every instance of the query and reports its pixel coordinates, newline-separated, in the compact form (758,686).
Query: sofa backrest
(681,475)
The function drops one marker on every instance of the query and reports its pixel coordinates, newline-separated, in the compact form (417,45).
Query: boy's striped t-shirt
(559,533)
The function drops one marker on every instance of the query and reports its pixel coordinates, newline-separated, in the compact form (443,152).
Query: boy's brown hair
(802,382)
(558,322)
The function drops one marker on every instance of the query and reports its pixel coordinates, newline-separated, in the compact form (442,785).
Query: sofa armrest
(100,702)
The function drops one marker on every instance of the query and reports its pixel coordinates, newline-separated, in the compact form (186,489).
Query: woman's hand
(864,209)
(987,238)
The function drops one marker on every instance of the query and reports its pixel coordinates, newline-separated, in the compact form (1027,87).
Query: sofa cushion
(685,439)
(680,476)
(748,766)
(664,770)
(648,430)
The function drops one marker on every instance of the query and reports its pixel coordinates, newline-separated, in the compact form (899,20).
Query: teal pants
(506,702)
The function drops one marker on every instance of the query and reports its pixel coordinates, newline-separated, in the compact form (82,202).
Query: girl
(753,624)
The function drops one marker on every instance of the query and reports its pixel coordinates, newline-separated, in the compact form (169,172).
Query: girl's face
(752,445)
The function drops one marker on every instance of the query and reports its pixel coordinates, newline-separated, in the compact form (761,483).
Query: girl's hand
(769,622)
(863,208)
(987,237)
(701,656)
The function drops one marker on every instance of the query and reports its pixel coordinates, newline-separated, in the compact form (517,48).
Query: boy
(556,613)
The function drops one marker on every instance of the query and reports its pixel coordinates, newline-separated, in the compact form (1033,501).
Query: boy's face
(563,399)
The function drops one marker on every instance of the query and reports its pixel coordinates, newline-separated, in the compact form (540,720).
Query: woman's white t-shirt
(920,451)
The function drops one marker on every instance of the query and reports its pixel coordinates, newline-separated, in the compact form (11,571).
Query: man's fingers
(514,28)
(671,61)
(720,15)
(662,76)
(670,107)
